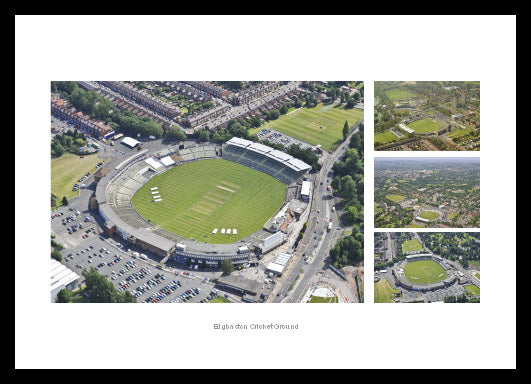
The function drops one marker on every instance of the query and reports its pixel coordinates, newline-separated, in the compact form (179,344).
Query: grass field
(472,289)
(398,95)
(384,138)
(395,198)
(66,171)
(200,196)
(322,124)
(411,245)
(424,272)
(319,299)
(383,291)
(429,215)
(424,125)
(219,299)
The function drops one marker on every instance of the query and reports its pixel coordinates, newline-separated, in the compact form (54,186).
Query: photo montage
(426,205)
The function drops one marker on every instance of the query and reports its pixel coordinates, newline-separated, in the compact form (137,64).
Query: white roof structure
(167,161)
(305,189)
(154,188)
(234,231)
(274,267)
(130,142)
(60,277)
(280,263)
(215,231)
(154,163)
(228,231)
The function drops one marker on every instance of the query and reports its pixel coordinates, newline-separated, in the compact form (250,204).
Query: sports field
(200,196)
(424,125)
(395,198)
(429,215)
(398,95)
(424,272)
(411,245)
(384,138)
(319,125)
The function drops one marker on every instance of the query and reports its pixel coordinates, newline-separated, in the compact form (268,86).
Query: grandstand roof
(291,162)
(239,142)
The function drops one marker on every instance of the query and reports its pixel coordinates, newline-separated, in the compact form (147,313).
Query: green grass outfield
(383,291)
(395,198)
(411,245)
(322,124)
(206,194)
(424,126)
(67,170)
(424,272)
(429,215)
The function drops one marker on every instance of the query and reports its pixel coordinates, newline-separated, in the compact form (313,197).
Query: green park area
(67,169)
(383,292)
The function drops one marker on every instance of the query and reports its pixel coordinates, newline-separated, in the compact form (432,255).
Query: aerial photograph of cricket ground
(426,192)
(426,116)
(207,191)
(426,267)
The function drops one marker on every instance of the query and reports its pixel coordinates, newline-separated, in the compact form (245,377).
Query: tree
(63,296)
(65,200)
(57,255)
(101,290)
(346,130)
(275,114)
(203,134)
(175,133)
(227,267)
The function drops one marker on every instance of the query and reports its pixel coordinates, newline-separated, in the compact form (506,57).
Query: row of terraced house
(142,97)
(82,122)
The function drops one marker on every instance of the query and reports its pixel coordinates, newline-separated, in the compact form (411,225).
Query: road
(317,240)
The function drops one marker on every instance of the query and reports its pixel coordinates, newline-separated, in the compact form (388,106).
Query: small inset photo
(426,267)
(426,116)
(426,192)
